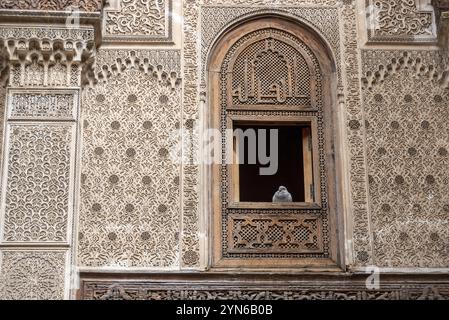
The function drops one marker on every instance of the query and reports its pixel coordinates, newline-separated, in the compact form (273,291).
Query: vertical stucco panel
(130,197)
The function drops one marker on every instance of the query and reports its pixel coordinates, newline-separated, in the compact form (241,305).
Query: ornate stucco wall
(88,121)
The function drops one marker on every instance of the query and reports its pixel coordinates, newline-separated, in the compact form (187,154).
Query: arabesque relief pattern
(406,118)
(140,209)
(190,245)
(139,20)
(130,183)
(37,211)
(274,3)
(351,101)
(393,21)
(32,275)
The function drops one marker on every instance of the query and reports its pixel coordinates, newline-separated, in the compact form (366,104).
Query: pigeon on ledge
(282,195)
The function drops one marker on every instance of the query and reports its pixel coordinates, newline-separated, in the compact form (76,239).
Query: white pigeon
(282,195)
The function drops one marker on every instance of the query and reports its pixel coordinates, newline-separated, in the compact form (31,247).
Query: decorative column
(44,67)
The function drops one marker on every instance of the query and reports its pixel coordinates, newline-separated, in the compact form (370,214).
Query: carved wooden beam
(262,287)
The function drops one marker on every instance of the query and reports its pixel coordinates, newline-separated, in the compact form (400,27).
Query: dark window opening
(294,167)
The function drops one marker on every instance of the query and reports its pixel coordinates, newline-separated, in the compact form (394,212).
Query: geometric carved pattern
(246,81)
(272,234)
(379,65)
(406,119)
(130,198)
(280,73)
(31,275)
(37,183)
(140,21)
(398,21)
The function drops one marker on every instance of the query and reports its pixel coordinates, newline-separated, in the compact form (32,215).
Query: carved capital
(441,4)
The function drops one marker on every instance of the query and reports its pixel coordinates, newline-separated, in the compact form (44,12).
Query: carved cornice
(441,4)
(53,5)
(73,14)
(260,287)
(442,16)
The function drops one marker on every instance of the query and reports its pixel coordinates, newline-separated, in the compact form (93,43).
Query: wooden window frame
(280,120)
(330,153)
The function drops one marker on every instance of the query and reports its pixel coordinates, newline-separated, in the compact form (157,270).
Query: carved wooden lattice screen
(271,76)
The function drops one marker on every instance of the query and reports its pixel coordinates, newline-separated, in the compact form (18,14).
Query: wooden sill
(274,205)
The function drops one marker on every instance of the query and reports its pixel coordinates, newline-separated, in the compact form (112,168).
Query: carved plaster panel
(146,21)
(42,63)
(399,21)
(42,154)
(190,245)
(406,118)
(38,105)
(37,210)
(32,275)
(130,184)
(354,140)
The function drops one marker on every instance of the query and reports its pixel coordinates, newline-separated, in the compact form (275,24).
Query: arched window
(274,198)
